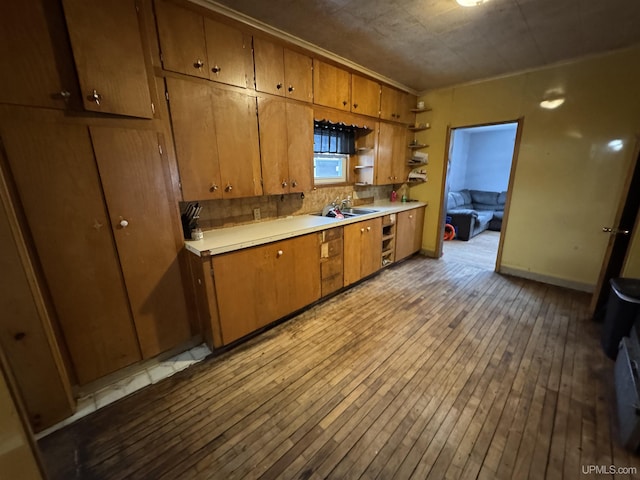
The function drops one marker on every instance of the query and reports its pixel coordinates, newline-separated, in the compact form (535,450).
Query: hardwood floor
(431,369)
(479,251)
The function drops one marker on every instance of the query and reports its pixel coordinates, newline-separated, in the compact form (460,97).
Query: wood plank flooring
(433,369)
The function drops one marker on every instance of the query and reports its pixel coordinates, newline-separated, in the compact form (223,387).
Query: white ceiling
(425,44)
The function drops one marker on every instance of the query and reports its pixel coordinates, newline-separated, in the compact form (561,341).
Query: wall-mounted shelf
(362,184)
(419,129)
(420,110)
(358,167)
(415,146)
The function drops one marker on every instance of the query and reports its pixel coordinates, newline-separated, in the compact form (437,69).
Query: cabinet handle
(124,223)
(280,253)
(216,69)
(291,89)
(279,86)
(228,188)
(368,229)
(65,94)
(213,187)
(355,105)
(198,64)
(344,102)
(284,184)
(410,216)
(362,230)
(294,183)
(96,97)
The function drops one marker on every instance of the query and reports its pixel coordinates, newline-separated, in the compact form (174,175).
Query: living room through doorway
(478,174)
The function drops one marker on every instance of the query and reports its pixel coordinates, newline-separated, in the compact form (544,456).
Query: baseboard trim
(428,253)
(560,282)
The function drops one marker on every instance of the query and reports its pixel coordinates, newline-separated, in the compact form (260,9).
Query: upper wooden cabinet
(282,72)
(202,47)
(392,154)
(107,49)
(365,96)
(216,138)
(409,228)
(286,145)
(396,105)
(331,86)
(36,59)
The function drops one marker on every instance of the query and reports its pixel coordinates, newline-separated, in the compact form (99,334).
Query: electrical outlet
(256,214)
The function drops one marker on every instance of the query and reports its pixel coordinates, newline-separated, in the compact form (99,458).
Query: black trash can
(623,308)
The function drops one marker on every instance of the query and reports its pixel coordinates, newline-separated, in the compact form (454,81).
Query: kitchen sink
(349,212)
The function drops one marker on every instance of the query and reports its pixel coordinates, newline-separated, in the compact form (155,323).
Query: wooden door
(147,239)
(301,275)
(365,96)
(36,59)
(384,154)
(331,86)
(182,40)
(390,101)
(400,156)
(236,121)
(371,257)
(352,252)
(300,146)
(269,64)
(229,54)
(195,138)
(107,49)
(298,74)
(59,187)
(274,145)
(409,232)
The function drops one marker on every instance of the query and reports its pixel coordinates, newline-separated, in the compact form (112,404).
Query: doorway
(477,187)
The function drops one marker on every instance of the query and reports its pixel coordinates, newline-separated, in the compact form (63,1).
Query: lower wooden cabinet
(256,286)
(362,249)
(409,227)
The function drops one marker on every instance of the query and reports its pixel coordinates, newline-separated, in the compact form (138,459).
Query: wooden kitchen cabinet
(392,154)
(202,47)
(331,260)
(107,48)
(365,96)
(216,138)
(282,72)
(147,237)
(258,285)
(409,226)
(331,86)
(286,145)
(362,249)
(396,105)
(59,186)
(36,59)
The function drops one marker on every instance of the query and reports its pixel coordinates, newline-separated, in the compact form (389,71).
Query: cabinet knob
(294,183)
(344,102)
(198,63)
(410,216)
(280,253)
(279,86)
(393,115)
(291,89)
(124,223)
(65,95)
(216,69)
(284,184)
(96,97)
(362,230)
(229,187)
(355,105)
(213,187)
(368,229)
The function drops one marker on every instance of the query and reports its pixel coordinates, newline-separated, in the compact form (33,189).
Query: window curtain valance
(330,137)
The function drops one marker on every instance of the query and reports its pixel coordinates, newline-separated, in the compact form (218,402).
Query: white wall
(489,159)
(458,167)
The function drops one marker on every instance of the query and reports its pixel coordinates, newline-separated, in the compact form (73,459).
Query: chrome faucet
(346,203)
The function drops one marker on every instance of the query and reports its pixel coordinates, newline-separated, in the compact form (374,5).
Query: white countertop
(228,239)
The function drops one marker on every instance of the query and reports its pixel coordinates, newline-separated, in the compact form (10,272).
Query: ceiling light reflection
(470,3)
(615,145)
(552,103)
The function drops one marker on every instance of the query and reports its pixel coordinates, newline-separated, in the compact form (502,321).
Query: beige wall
(567,182)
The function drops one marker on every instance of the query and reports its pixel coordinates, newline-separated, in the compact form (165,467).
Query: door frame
(607,270)
(443,199)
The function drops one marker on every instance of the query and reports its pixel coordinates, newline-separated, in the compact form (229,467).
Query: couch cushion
(484,198)
(484,217)
(485,207)
(461,199)
(502,198)
(498,215)
(462,211)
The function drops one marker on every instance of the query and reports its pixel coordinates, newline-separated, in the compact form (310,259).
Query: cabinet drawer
(331,248)
(331,267)
(331,234)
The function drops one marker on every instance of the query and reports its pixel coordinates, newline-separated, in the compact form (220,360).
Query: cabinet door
(272,114)
(140,207)
(236,120)
(384,158)
(365,96)
(407,102)
(59,187)
(229,54)
(269,61)
(300,146)
(331,86)
(301,275)
(399,168)
(107,48)
(362,249)
(389,103)
(298,74)
(409,232)
(194,133)
(37,66)
(182,40)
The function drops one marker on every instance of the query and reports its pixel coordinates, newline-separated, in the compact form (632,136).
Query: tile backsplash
(224,213)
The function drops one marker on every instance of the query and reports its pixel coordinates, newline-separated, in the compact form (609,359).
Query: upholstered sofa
(474,211)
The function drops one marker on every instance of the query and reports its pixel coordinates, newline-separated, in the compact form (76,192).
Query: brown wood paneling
(331,86)
(55,172)
(110,65)
(272,115)
(300,147)
(139,206)
(269,65)
(298,74)
(228,51)
(409,228)
(365,96)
